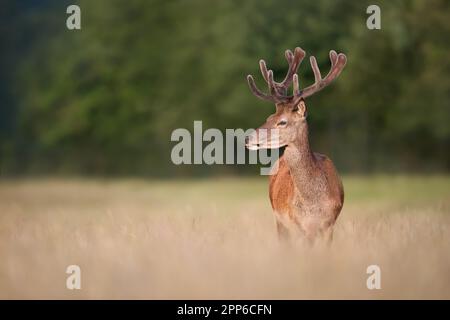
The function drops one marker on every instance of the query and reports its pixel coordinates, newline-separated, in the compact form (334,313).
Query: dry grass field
(216,238)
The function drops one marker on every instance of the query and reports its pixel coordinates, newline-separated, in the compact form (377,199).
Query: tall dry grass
(216,239)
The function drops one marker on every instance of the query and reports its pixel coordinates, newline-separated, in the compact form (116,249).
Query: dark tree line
(106,98)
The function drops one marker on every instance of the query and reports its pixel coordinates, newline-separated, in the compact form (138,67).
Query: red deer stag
(306,192)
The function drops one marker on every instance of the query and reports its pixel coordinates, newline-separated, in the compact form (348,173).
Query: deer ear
(301,108)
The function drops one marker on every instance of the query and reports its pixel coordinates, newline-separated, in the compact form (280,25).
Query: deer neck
(301,162)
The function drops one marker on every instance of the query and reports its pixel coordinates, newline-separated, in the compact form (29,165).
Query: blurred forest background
(104,100)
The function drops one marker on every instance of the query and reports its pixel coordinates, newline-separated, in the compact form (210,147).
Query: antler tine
(294,61)
(296,85)
(263,67)
(257,92)
(289,56)
(338,62)
(271,83)
(333,57)
(316,70)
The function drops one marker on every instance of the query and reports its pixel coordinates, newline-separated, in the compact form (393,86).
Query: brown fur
(284,196)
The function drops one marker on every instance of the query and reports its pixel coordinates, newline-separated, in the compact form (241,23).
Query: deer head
(280,129)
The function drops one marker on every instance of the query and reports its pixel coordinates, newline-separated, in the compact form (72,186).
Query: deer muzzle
(263,138)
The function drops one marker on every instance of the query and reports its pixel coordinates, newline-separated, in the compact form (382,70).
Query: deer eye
(282,123)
